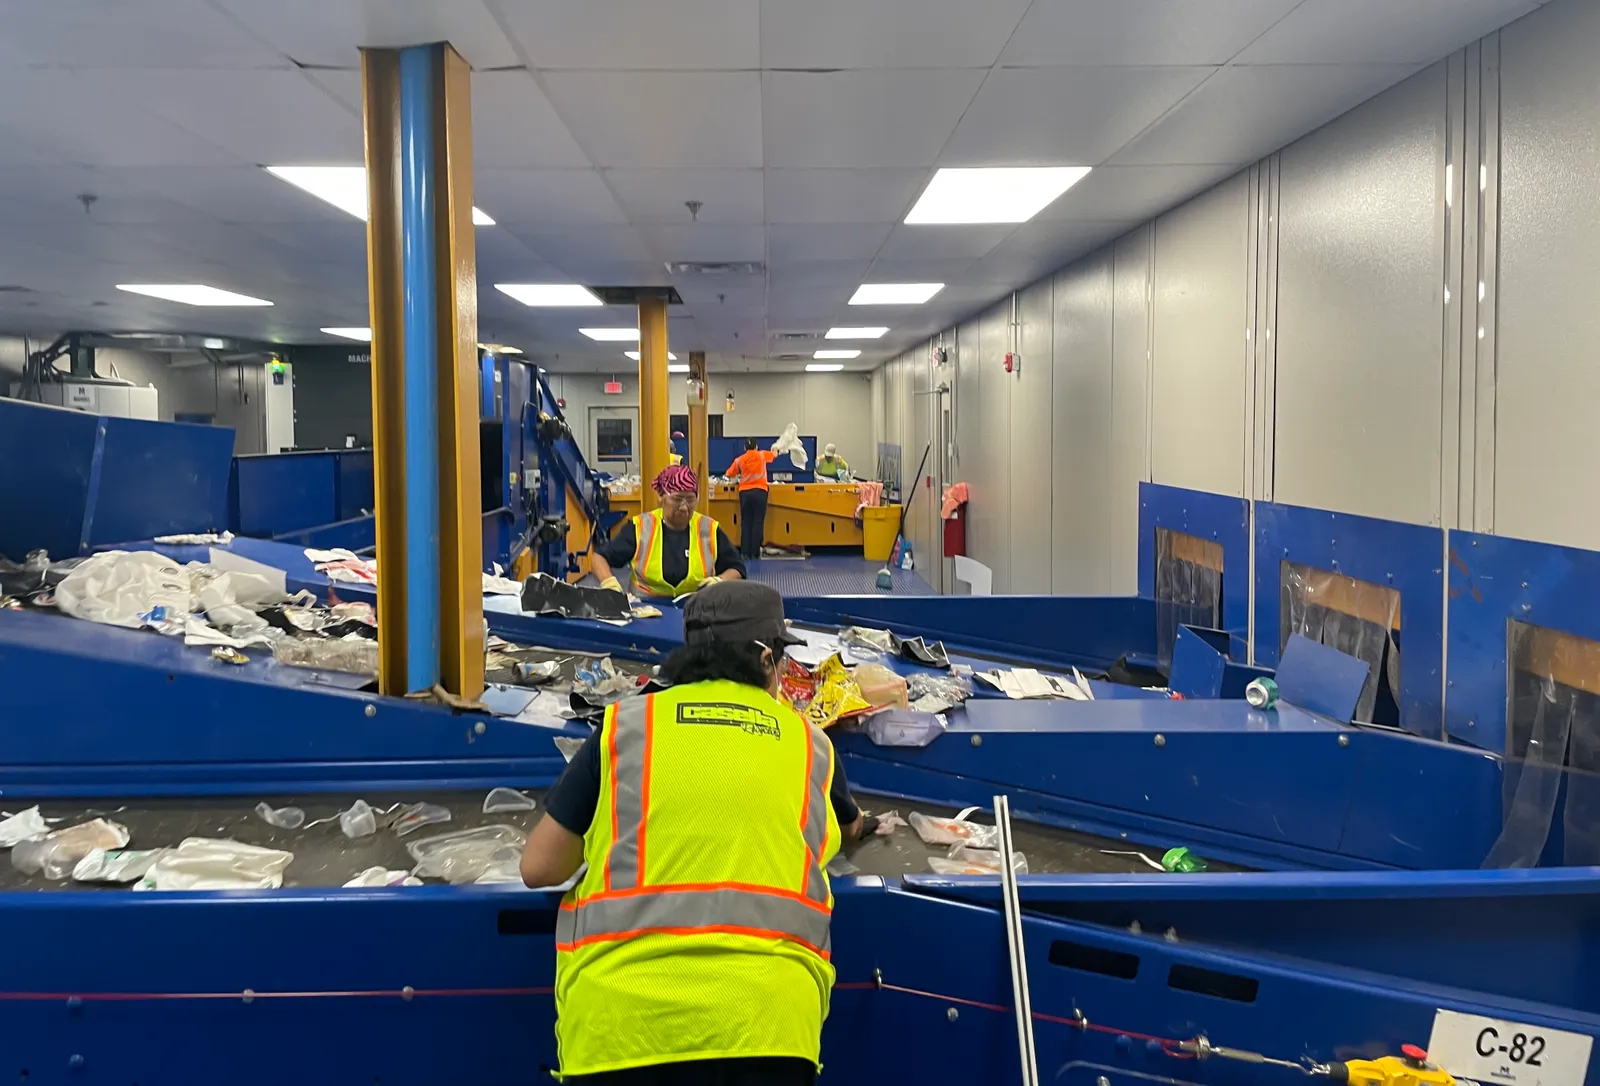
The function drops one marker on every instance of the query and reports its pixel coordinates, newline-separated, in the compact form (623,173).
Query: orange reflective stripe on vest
(645,530)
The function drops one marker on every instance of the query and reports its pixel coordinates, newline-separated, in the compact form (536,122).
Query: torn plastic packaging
(355,655)
(880,687)
(382,876)
(536,672)
(936,693)
(464,856)
(26,825)
(904,728)
(358,821)
(965,860)
(953,831)
(283,818)
(545,595)
(56,854)
(918,651)
(117,865)
(568,746)
(208,863)
(500,800)
(417,816)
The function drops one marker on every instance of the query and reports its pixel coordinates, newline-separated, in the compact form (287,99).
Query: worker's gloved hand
(869,826)
(708,581)
(612,583)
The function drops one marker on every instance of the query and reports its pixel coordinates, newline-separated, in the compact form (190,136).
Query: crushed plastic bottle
(417,816)
(502,800)
(358,821)
(283,818)
(56,854)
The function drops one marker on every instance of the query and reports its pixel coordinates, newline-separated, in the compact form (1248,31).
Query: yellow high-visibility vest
(650,537)
(700,929)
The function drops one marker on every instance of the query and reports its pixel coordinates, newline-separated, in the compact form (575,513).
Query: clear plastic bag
(382,876)
(951,831)
(841,868)
(533,673)
(501,800)
(209,863)
(936,693)
(358,821)
(464,856)
(789,442)
(56,854)
(904,728)
(117,865)
(975,861)
(23,826)
(283,818)
(417,816)
(568,746)
(865,637)
(355,655)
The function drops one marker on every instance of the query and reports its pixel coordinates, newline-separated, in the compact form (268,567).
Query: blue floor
(833,575)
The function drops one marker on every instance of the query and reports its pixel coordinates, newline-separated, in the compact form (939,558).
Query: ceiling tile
(816,273)
(790,243)
(843,196)
(1243,113)
(514,124)
(1198,32)
(821,34)
(239,194)
(614,35)
(965,242)
(1120,193)
(893,270)
(656,119)
(544,197)
(55,193)
(1063,116)
(260,116)
(869,118)
(1038,249)
(330,33)
(1380,31)
(148,34)
(704,241)
(726,196)
(82,117)
(599,244)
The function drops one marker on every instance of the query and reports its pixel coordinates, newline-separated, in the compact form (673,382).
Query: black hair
(740,663)
(749,443)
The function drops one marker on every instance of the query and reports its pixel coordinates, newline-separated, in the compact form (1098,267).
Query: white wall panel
(1360,308)
(1200,352)
(1547,458)
(1032,433)
(1083,425)
(1128,462)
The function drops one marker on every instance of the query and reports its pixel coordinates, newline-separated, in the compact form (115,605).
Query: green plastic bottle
(1182,862)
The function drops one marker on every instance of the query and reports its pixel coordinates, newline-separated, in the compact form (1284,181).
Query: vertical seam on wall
(1251,466)
(1150,353)
(1450,352)
(1274,207)
(1488,273)
(1469,214)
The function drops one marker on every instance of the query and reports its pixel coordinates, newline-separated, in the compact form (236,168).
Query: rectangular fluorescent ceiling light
(612,335)
(363,334)
(494,348)
(549,294)
(837,354)
(824,367)
(635,356)
(894,293)
(345,187)
(677,369)
(993,194)
(191,294)
(856,333)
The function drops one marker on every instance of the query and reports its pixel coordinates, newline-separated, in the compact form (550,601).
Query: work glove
(612,583)
(708,581)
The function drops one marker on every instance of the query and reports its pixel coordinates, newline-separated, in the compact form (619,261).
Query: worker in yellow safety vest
(694,947)
(671,550)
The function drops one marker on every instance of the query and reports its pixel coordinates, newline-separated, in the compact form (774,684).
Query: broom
(885,575)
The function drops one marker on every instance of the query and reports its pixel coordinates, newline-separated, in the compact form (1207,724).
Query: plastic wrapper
(533,673)
(935,830)
(23,826)
(936,693)
(506,870)
(1188,587)
(355,655)
(904,728)
(283,818)
(880,687)
(836,695)
(382,876)
(358,821)
(965,860)
(127,588)
(1358,618)
(117,865)
(789,442)
(418,815)
(209,863)
(464,856)
(865,638)
(598,682)
(568,746)
(888,823)
(56,854)
(500,800)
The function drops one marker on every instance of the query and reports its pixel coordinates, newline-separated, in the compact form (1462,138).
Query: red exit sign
(613,388)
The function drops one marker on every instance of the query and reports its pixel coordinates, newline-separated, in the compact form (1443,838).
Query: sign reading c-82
(1493,1050)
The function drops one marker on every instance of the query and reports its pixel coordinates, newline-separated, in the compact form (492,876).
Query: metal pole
(654,418)
(1014,941)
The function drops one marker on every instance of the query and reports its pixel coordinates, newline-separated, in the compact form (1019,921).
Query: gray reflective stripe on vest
(644,537)
(708,542)
(628,739)
(816,828)
(687,911)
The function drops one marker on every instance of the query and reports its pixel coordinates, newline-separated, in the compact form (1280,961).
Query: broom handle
(901,531)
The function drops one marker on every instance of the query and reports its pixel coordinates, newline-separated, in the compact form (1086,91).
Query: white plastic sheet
(208,863)
(381,876)
(28,825)
(789,442)
(122,588)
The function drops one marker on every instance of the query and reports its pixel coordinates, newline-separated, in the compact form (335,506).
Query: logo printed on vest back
(750,720)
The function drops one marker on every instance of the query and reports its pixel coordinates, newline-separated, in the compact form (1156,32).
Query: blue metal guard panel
(1406,557)
(44,496)
(284,492)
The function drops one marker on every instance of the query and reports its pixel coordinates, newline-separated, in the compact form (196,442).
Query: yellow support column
(654,415)
(699,443)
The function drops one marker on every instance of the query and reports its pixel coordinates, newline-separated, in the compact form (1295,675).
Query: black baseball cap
(735,612)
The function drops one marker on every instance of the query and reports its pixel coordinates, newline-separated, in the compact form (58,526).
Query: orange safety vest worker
(751,469)
(667,950)
(647,531)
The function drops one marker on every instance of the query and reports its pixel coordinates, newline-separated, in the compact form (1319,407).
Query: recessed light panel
(363,334)
(549,294)
(894,293)
(191,294)
(837,354)
(345,187)
(824,367)
(1003,194)
(635,356)
(612,335)
(857,333)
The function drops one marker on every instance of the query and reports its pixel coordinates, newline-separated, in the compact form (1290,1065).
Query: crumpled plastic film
(904,728)
(23,826)
(935,830)
(789,442)
(500,800)
(1356,617)
(283,818)
(418,815)
(836,694)
(358,820)
(355,655)
(56,854)
(209,863)
(1188,587)
(1533,779)
(117,865)
(466,855)
(382,876)
(966,860)
(122,588)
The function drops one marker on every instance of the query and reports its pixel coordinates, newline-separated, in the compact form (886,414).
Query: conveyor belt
(323,856)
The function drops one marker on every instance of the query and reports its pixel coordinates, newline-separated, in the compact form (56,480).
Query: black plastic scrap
(544,595)
(918,651)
